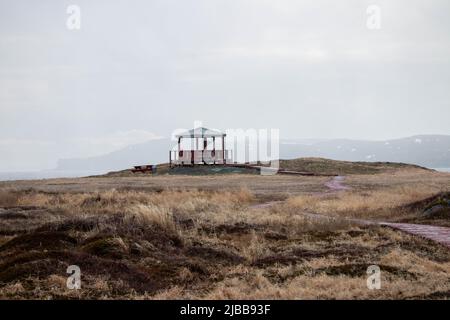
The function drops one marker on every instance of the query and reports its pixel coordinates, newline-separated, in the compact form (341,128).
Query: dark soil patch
(44,264)
(359,270)
(276,259)
(22,212)
(426,249)
(162,239)
(115,226)
(159,237)
(26,208)
(13,232)
(77,224)
(11,215)
(220,256)
(40,241)
(271,235)
(188,223)
(322,236)
(275,277)
(438,295)
(106,247)
(344,251)
(300,254)
(286,258)
(238,227)
(355,233)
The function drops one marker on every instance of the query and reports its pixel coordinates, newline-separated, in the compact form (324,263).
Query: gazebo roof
(200,132)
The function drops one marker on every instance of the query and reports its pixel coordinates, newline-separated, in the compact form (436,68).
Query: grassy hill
(327,166)
(309,165)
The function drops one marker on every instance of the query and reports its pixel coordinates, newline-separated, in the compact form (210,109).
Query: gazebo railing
(186,157)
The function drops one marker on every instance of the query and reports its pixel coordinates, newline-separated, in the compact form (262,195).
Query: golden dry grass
(381,196)
(210,243)
(151,215)
(8,198)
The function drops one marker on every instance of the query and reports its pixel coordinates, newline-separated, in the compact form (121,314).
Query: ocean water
(442,169)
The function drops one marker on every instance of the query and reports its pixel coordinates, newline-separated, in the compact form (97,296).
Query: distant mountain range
(432,151)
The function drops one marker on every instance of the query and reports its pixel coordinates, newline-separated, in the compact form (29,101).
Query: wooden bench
(144,168)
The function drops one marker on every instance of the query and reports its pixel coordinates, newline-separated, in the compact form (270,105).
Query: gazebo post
(223,150)
(179,148)
(205,145)
(214,149)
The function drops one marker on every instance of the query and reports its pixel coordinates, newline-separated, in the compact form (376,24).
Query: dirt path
(265,204)
(438,234)
(335,184)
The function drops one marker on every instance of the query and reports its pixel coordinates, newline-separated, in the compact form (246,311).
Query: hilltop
(328,166)
(316,166)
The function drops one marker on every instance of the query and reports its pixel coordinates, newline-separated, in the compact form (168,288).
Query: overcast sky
(137,70)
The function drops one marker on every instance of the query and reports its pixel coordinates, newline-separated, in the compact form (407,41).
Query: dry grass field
(204,237)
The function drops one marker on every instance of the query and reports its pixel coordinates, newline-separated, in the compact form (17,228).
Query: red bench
(143,168)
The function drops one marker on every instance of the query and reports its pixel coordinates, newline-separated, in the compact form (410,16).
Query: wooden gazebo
(202,148)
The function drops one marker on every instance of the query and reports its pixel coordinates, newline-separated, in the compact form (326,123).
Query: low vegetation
(388,203)
(193,237)
(317,166)
(327,166)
